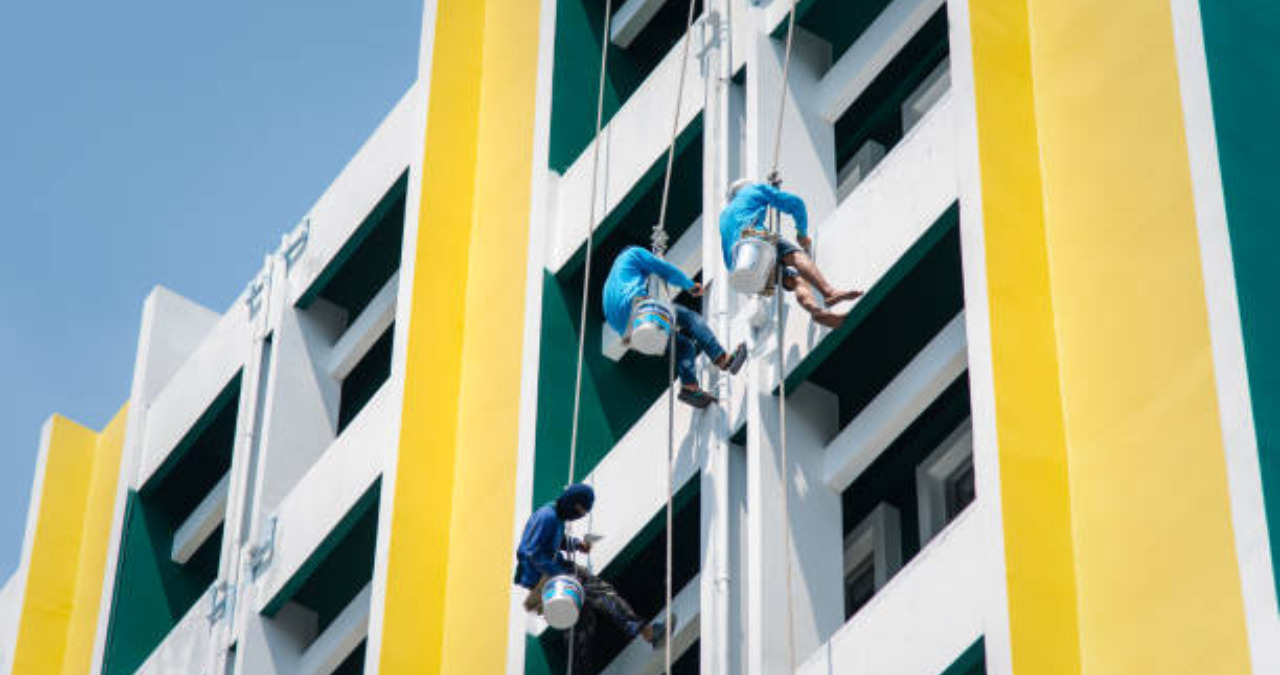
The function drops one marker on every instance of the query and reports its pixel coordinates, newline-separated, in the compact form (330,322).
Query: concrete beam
(202,522)
(866,58)
(899,404)
(343,635)
(365,330)
(631,19)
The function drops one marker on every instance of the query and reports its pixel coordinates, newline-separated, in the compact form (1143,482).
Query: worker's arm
(790,205)
(652,264)
(543,547)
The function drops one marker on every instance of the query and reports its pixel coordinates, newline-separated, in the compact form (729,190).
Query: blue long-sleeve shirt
(542,548)
(748,208)
(629,279)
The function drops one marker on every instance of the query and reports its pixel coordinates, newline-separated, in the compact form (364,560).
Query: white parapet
(330,489)
(340,638)
(193,388)
(636,138)
(900,403)
(633,475)
(202,522)
(364,180)
(875,48)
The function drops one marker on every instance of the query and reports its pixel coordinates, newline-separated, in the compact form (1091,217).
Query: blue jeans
(693,336)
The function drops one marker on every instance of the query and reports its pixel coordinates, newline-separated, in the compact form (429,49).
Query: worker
(628,283)
(544,552)
(749,201)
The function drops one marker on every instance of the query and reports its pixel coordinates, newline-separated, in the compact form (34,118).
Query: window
(364,380)
(171,540)
(895,101)
(872,555)
(944,482)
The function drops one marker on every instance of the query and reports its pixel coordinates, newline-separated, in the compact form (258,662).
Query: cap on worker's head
(574,496)
(738,185)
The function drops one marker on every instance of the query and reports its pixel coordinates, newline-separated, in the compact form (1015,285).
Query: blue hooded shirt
(543,547)
(748,208)
(629,279)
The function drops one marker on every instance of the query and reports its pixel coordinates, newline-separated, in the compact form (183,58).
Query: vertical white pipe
(716,582)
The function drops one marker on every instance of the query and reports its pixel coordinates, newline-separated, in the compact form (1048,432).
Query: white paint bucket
(753,258)
(651,324)
(562,601)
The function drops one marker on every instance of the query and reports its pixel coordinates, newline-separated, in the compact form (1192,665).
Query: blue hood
(573,496)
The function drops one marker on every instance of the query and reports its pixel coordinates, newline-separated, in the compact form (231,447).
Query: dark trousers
(601,600)
(692,337)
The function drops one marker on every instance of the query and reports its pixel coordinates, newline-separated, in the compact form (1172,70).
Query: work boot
(736,359)
(696,398)
(658,629)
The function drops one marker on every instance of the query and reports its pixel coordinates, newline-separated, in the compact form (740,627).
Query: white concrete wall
(335,216)
(285,459)
(10,610)
(185,648)
(923,619)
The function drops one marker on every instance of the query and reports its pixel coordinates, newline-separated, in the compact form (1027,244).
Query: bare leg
(809,301)
(810,273)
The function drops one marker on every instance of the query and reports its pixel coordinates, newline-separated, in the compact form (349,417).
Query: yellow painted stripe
(1157,587)
(448,579)
(481,550)
(68,553)
(95,544)
(1031,438)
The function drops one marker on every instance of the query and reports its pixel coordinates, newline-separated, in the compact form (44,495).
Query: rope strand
(659,230)
(786,73)
(659,241)
(586,284)
(782,370)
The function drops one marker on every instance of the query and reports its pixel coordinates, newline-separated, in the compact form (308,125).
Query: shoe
(738,358)
(659,630)
(696,398)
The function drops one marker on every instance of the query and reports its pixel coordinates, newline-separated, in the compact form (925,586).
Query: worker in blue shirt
(628,282)
(749,201)
(544,553)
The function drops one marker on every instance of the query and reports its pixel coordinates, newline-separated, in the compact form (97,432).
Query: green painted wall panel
(1244,78)
(151,592)
(973,661)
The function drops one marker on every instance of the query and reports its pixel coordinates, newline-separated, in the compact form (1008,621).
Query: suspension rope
(659,237)
(586,286)
(781,330)
(786,73)
(659,242)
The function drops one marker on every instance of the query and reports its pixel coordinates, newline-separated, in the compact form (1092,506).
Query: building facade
(1042,442)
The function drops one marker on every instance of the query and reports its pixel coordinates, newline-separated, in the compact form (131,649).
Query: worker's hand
(806,244)
(584,546)
(697,290)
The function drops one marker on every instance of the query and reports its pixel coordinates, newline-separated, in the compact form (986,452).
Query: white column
(715,579)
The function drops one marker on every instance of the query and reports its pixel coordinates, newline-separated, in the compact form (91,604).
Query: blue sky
(171,143)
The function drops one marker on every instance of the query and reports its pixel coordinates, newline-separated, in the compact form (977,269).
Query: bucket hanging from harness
(753,259)
(651,323)
(562,601)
